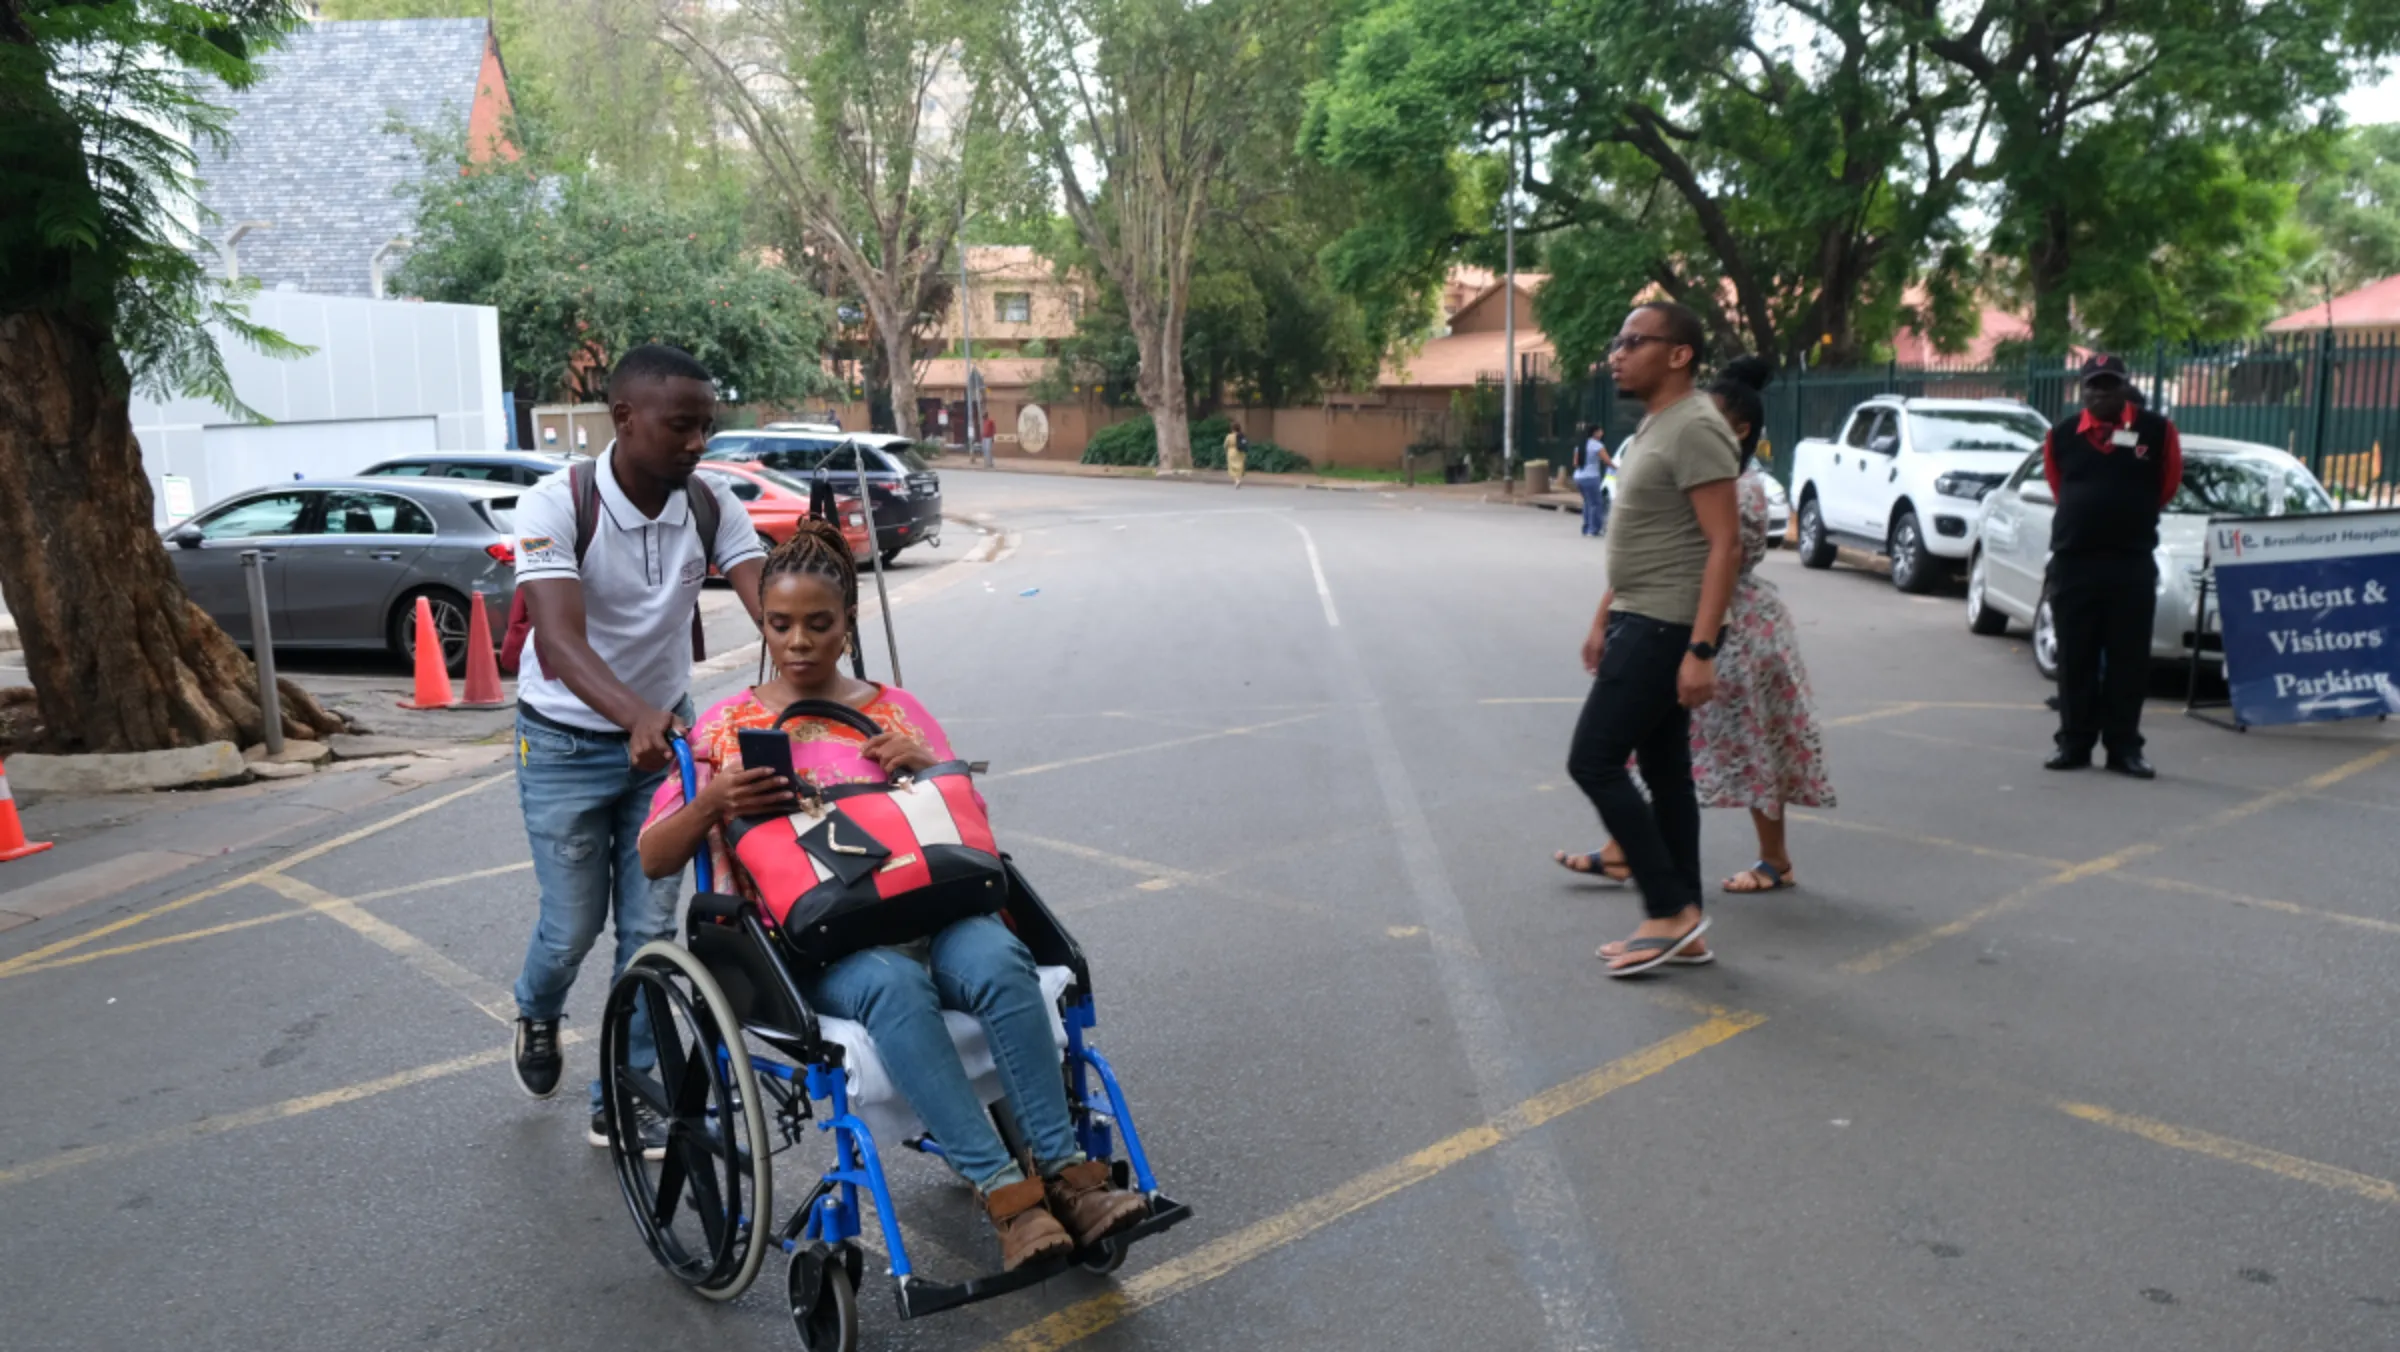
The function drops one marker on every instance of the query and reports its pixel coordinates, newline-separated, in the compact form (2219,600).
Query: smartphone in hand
(771,749)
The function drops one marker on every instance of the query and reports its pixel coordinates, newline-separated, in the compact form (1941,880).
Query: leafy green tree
(583,266)
(2348,213)
(98,297)
(1789,188)
(876,138)
(1145,111)
(2132,147)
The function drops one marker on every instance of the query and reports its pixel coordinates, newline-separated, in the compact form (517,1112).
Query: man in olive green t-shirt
(1674,554)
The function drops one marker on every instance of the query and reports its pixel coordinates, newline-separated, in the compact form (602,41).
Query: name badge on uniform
(2123,436)
(695,570)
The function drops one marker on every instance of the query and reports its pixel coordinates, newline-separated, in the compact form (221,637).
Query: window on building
(1075,307)
(1014,307)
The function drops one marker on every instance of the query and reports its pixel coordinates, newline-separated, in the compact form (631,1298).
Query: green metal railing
(2331,399)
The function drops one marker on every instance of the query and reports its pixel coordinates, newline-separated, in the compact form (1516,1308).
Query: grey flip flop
(1666,951)
(1777,881)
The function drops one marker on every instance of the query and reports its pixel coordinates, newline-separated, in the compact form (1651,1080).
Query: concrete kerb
(1310,482)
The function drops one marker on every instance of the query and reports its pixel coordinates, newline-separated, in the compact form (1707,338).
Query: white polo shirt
(641,578)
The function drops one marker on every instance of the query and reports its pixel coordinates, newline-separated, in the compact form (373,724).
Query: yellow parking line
(2240,1152)
(187,936)
(28,959)
(1878,959)
(1853,720)
(426,960)
(250,1117)
(1938,842)
(2366,922)
(1226,1253)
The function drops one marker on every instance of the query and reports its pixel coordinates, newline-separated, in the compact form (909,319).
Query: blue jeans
(1595,516)
(584,804)
(978,967)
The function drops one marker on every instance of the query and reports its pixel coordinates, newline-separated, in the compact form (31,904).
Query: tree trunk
(2053,303)
(121,660)
(1159,338)
(900,355)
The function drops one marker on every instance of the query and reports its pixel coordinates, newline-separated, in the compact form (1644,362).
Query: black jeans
(1633,712)
(2103,604)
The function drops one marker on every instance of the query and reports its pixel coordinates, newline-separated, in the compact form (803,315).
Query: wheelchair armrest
(1035,924)
(728,937)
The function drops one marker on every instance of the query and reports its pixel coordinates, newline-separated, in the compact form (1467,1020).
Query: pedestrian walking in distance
(1237,454)
(991,430)
(610,560)
(1592,464)
(1756,746)
(1674,556)
(2112,468)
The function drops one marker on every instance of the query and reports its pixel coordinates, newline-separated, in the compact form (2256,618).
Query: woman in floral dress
(1756,745)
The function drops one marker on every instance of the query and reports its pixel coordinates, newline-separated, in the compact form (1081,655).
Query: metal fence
(2331,399)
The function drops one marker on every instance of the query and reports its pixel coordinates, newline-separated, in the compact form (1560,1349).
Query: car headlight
(1972,487)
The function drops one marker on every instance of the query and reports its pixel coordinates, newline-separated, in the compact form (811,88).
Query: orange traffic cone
(13,844)
(483,665)
(433,676)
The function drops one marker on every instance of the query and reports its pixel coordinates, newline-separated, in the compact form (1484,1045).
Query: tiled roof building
(316,163)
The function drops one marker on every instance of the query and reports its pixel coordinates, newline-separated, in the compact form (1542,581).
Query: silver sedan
(346,559)
(2008,558)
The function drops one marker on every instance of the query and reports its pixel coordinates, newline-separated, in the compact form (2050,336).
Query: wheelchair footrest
(920,1297)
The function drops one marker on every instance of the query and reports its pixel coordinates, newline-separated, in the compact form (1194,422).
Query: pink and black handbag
(860,866)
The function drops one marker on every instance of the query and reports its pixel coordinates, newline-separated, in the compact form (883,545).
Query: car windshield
(503,514)
(786,482)
(2224,485)
(2011,431)
(907,455)
(403,468)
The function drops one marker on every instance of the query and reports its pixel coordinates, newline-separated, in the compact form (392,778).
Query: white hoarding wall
(387,377)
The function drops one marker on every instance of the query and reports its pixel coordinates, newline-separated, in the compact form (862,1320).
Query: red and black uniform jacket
(2109,495)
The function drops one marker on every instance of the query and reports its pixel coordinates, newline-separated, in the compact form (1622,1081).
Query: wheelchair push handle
(703,872)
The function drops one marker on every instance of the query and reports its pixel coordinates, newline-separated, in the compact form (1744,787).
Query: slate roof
(311,153)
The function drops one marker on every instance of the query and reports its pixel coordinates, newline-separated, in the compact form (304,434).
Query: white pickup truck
(1905,479)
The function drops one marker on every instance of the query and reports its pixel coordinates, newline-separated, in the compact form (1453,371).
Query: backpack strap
(707,509)
(583,485)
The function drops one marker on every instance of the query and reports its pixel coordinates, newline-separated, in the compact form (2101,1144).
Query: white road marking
(1316,568)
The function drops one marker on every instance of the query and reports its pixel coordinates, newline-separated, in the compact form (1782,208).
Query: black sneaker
(538,1061)
(653,1130)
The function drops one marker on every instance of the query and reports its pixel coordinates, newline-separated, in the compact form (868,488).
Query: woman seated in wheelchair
(809,605)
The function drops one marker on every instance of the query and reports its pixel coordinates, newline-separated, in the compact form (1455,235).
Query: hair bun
(1755,372)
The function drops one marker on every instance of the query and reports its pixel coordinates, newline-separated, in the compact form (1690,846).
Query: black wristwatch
(1706,652)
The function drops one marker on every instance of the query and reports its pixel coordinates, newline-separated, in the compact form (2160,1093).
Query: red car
(776,502)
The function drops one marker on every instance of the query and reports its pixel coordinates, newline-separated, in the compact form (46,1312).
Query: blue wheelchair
(738,1066)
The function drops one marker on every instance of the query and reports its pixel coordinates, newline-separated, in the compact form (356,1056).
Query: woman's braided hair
(815,549)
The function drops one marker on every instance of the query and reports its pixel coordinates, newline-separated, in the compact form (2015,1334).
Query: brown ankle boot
(1027,1229)
(1081,1195)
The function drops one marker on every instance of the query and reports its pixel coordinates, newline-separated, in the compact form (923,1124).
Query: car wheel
(1913,568)
(1981,617)
(892,556)
(1816,551)
(2045,639)
(449,623)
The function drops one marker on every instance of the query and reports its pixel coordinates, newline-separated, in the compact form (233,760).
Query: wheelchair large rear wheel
(705,1209)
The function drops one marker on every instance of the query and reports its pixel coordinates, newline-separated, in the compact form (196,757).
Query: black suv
(907,493)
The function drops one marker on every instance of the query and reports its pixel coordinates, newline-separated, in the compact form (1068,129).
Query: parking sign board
(2310,608)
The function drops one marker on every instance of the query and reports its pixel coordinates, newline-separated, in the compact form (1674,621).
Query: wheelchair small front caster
(824,1296)
(1105,1257)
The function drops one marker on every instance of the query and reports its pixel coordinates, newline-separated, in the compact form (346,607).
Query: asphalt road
(2028,1061)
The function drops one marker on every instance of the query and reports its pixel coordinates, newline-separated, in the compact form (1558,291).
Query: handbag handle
(829,711)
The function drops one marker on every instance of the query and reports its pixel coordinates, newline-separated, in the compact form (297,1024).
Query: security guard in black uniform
(2112,467)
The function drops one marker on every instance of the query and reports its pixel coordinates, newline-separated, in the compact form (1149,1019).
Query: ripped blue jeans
(584,804)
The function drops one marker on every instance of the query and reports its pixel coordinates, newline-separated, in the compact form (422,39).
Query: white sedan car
(2008,559)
